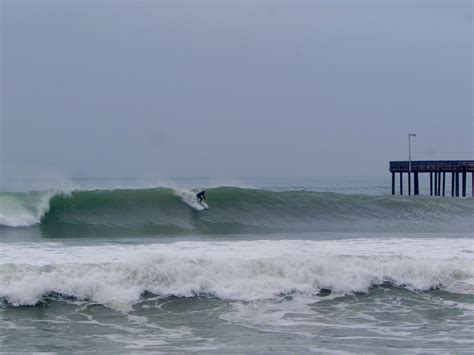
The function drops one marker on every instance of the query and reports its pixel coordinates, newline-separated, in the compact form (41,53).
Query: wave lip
(244,271)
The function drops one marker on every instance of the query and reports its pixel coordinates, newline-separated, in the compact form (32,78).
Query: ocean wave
(233,210)
(244,271)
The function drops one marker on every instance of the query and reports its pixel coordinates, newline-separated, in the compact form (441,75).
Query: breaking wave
(245,271)
(233,210)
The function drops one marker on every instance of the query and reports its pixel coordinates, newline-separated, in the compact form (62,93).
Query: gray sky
(233,88)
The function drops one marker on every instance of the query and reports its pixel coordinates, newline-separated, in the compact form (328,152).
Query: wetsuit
(202,195)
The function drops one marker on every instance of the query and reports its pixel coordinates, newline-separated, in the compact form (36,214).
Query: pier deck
(437,170)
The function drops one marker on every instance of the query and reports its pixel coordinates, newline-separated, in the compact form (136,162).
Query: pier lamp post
(409,161)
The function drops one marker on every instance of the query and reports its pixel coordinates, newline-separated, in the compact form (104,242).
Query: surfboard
(203,204)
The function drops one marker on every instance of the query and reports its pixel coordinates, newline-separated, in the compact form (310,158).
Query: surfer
(202,195)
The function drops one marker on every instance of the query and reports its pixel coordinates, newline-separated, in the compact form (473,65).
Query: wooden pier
(437,170)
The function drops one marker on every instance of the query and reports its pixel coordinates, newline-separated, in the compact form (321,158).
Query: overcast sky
(233,88)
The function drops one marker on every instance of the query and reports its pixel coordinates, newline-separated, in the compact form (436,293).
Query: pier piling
(401,183)
(464,178)
(444,183)
(457,184)
(439,184)
(431,183)
(417,184)
(409,183)
(452,184)
(393,183)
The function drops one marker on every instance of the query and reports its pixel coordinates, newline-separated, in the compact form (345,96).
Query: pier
(438,169)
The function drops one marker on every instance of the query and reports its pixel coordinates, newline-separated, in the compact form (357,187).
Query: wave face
(233,210)
(236,270)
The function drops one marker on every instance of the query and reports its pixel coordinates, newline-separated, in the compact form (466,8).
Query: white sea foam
(249,270)
(18,212)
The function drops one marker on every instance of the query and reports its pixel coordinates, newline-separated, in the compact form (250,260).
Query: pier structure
(438,169)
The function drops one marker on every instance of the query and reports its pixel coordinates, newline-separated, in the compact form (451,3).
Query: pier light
(409,161)
(409,149)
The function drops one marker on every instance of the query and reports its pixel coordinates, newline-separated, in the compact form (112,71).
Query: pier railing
(427,166)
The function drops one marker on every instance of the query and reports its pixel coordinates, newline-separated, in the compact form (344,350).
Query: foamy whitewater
(292,266)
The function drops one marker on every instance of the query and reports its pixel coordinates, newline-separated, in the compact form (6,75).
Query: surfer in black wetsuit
(202,195)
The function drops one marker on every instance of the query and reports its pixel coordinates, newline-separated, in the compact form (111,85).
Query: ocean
(274,265)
